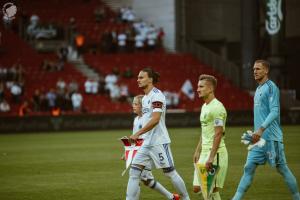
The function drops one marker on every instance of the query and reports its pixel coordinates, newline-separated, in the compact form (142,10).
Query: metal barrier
(208,57)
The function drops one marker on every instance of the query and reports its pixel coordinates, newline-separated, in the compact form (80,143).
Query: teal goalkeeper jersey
(267,111)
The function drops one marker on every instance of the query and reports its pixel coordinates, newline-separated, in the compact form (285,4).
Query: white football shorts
(160,155)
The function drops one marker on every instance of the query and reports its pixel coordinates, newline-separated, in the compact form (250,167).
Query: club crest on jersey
(145,110)
(157,104)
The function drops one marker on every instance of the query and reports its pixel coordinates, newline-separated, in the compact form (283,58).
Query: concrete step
(85,69)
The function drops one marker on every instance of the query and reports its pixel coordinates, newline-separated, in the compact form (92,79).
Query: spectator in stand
(114,93)
(107,42)
(130,15)
(101,83)
(124,93)
(16,92)
(60,93)
(119,14)
(128,73)
(12,73)
(114,42)
(130,38)
(44,100)
(72,87)
(151,38)
(76,101)
(91,86)
(95,86)
(100,14)
(122,42)
(33,26)
(68,101)
(61,85)
(139,42)
(160,36)
(63,52)
(37,100)
(127,15)
(3,74)
(20,72)
(24,109)
(51,98)
(88,86)
(110,80)
(116,71)
(79,41)
(71,30)
(52,66)
(4,106)
(56,111)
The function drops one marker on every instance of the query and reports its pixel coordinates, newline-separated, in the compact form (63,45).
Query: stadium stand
(175,69)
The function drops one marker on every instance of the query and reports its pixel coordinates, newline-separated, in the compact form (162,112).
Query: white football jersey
(155,101)
(137,125)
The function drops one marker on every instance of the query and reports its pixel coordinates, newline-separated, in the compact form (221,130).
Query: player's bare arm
(150,125)
(197,151)
(217,139)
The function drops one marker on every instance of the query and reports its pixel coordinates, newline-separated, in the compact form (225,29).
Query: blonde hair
(264,63)
(139,98)
(210,79)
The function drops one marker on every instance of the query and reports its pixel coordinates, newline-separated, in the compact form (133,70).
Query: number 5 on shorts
(161,158)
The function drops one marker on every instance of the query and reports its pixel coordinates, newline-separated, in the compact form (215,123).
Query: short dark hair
(264,63)
(210,79)
(152,74)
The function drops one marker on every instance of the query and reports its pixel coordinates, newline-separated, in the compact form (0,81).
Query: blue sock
(245,181)
(290,180)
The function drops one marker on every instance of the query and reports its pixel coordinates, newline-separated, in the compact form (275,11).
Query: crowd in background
(136,35)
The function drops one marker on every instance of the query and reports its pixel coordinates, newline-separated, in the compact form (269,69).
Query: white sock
(178,183)
(161,189)
(133,183)
(215,196)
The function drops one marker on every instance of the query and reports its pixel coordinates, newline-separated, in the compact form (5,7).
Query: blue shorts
(272,152)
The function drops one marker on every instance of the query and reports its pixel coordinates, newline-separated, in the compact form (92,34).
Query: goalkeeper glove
(247,137)
(251,139)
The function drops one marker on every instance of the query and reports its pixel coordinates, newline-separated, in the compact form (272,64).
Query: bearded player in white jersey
(146,176)
(156,145)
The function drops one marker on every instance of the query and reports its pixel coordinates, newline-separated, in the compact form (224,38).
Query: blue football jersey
(267,111)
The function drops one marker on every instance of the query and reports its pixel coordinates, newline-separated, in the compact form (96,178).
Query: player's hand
(209,165)
(196,156)
(123,157)
(133,138)
(255,138)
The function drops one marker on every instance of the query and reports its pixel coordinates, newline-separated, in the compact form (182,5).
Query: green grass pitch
(87,166)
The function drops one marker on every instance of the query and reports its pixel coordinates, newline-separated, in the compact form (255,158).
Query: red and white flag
(130,150)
